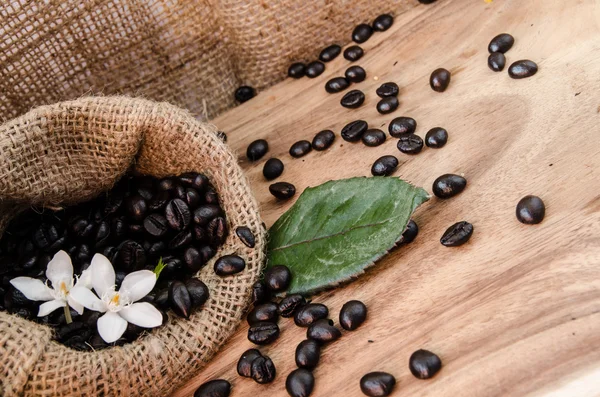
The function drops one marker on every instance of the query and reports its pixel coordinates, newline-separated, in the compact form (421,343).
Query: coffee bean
(262,370)
(389,89)
(211,197)
(448,185)
(178,214)
(308,353)
(214,388)
(323,140)
(457,234)
(330,53)
(244,93)
(427,1)
(130,256)
(402,126)
(288,305)
(353,131)
(439,80)
(156,225)
(377,384)
(173,266)
(531,210)
(310,313)
(179,299)
(179,192)
(194,180)
(45,235)
(118,228)
(373,137)
(198,291)
(136,207)
(410,233)
(260,293)
(145,192)
(222,136)
(352,315)
(205,213)
(297,70)
(166,184)
(156,249)
(192,198)
(410,144)
(114,201)
(159,201)
(272,169)
(244,365)
(384,166)
(228,265)
(263,333)
(501,43)
(383,22)
(436,138)
(361,33)
(300,148)
(300,383)
(181,240)
(355,74)
(217,231)
(522,69)
(353,53)
(353,99)
(323,331)
(246,236)
(263,312)
(193,259)
(496,61)
(314,69)
(282,190)
(387,105)
(199,233)
(257,149)
(424,364)
(278,278)
(336,84)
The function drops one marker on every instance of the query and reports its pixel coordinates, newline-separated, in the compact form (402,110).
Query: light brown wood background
(516,311)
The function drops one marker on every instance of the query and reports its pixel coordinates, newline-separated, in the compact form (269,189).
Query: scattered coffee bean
(336,84)
(377,384)
(436,137)
(257,149)
(263,333)
(244,93)
(361,33)
(402,126)
(501,43)
(263,312)
(410,233)
(383,22)
(278,278)
(260,293)
(353,99)
(439,80)
(323,140)
(314,69)
(388,105)
(427,1)
(354,131)
(244,365)
(352,315)
(330,53)
(228,265)
(262,370)
(355,74)
(457,234)
(424,364)
(373,137)
(384,166)
(136,207)
(310,313)
(448,185)
(179,299)
(272,169)
(389,89)
(214,388)
(300,383)
(308,353)
(288,305)
(410,144)
(522,69)
(531,210)
(353,53)
(297,70)
(496,61)
(323,331)
(222,136)
(198,291)
(300,148)
(246,236)
(282,190)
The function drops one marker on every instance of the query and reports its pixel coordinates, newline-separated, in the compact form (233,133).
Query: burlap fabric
(71,151)
(193,53)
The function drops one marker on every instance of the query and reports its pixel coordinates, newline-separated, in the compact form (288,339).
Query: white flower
(60,274)
(118,306)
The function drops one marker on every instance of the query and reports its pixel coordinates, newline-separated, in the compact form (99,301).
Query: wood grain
(516,311)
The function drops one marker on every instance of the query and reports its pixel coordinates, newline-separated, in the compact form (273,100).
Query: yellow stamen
(115,299)
(63,287)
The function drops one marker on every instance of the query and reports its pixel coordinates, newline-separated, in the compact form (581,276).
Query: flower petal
(103,274)
(50,306)
(138,284)
(142,314)
(111,326)
(32,288)
(60,269)
(87,299)
(85,280)
(78,307)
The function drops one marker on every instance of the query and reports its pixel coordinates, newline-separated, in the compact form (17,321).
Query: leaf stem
(68,314)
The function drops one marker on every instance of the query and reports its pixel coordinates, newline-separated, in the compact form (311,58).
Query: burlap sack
(72,151)
(193,53)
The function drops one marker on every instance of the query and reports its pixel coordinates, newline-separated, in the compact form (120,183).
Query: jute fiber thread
(72,151)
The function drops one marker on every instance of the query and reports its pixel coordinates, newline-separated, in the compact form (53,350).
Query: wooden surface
(516,311)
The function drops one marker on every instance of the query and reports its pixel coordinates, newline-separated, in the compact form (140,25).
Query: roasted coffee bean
(330,53)
(323,331)
(172,265)
(217,231)
(130,256)
(410,233)
(297,70)
(145,193)
(263,333)
(66,331)
(310,313)
(198,291)
(353,99)
(263,312)
(114,201)
(531,210)
(181,240)
(457,234)
(244,93)
(31,262)
(180,299)
(262,370)
(166,184)
(355,74)
(278,278)
(308,353)
(45,235)
(288,305)
(222,135)
(410,144)
(323,140)
(214,388)
(272,169)
(199,233)
(207,252)
(377,384)
(246,236)
(353,53)
(383,22)
(336,84)
(300,149)
(282,190)
(427,1)
(178,214)
(384,166)
(59,244)
(353,131)
(352,315)
(193,259)
(373,137)
(439,80)
(228,265)
(260,293)
(102,234)
(314,69)
(257,149)
(522,69)
(156,225)
(156,249)
(402,126)
(448,185)
(136,207)
(194,180)
(192,198)
(361,33)
(436,137)
(389,89)
(424,364)
(244,365)
(388,105)
(205,213)
(179,192)
(211,197)
(496,61)
(300,383)
(43,260)
(159,201)
(501,43)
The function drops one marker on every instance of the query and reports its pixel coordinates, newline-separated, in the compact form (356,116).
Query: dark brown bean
(282,190)
(410,233)
(263,333)
(198,291)
(387,90)
(410,144)
(310,313)
(336,84)
(384,166)
(228,265)
(361,33)
(323,331)
(388,105)
(222,136)
(244,93)
(260,293)
(424,364)
(263,370)
(277,278)
(217,231)
(448,185)
(383,22)
(352,315)
(288,305)
(193,259)
(373,137)
(181,239)
(314,69)
(244,365)
(194,180)
(178,214)
(330,53)
(501,43)
(377,384)
(179,299)
(439,80)
(308,353)
(257,149)
(300,148)
(427,1)
(353,99)
(353,53)
(130,256)
(522,69)
(323,140)
(272,169)
(300,383)
(402,126)
(355,74)
(496,61)
(214,388)
(205,213)
(531,210)
(246,236)
(263,312)
(297,70)
(136,207)
(353,131)
(436,137)
(457,234)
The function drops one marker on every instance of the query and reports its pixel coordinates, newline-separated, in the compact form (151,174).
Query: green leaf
(335,230)
(159,267)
